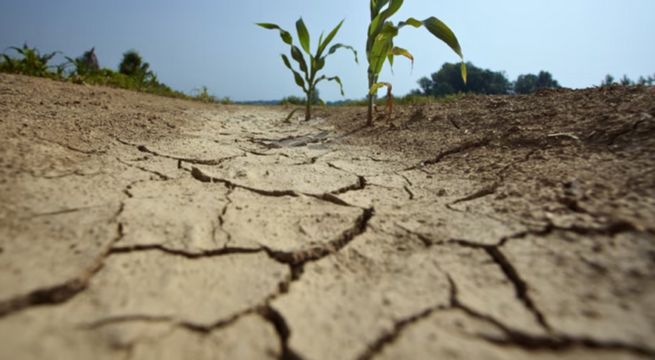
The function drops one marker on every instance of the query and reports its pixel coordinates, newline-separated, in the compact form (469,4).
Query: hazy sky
(215,42)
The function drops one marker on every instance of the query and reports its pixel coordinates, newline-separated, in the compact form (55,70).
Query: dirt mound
(486,227)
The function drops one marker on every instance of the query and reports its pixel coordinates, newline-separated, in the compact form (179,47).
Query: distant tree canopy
(529,83)
(297,100)
(448,81)
(133,65)
(626,81)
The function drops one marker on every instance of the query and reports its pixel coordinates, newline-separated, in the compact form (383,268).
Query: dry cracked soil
(139,227)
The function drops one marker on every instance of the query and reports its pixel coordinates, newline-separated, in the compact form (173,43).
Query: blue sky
(215,43)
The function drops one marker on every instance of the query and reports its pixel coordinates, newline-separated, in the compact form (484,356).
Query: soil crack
(281,326)
(302,257)
(145,149)
(520,285)
(61,293)
(454,150)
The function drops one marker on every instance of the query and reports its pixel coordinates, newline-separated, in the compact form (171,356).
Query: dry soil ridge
(492,227)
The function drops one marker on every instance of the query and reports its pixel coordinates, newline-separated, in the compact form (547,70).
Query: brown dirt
(133,226)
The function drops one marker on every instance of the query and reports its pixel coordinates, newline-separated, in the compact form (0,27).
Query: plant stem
(372,79)
(308,106)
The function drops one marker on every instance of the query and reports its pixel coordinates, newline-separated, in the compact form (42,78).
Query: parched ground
(139,227)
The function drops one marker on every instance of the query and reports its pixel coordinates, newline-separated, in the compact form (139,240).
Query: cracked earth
(139,227)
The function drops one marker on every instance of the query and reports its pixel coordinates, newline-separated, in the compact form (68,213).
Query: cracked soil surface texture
(140,227)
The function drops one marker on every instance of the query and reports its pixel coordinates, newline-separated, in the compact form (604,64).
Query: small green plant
(203,95)
(380,47)
(311,68)
(29,62)
(85,64)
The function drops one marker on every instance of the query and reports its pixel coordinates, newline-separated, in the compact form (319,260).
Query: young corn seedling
(309,67)
(380,47)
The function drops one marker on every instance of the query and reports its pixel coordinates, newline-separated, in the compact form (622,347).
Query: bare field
(141,227)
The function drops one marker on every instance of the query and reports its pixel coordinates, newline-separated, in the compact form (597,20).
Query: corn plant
(380,47)
(30,62)
(311,67)
(85,64)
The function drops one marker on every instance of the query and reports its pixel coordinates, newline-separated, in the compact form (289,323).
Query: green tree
(625,81)
(646,81)
(525,84)
(608,81)
(530,83)
(133,65)
(448,81)
(314,99)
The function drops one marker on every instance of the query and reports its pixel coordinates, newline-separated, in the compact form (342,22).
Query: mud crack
(61,293)
(282,329)
(520,285)
(485,191)
(388,338)
(302,257)
(117,250)
(329,197)
(200,176)
(463,147)
(145,149)
(156,173)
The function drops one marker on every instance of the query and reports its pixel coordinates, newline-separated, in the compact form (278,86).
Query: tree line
(626,81)
(447,81)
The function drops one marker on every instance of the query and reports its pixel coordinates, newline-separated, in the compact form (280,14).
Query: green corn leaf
(376,7)
(47,57)
(328,39)
(378,21)
(333,78)
(412,22)
(297,56)
(382,45)
(320,39)
(443,32)
(299,80)
(320,63)
(439,29)
(336,47)
(396,51)
(303,35)
(19,50)
(375,87)
(285,35)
